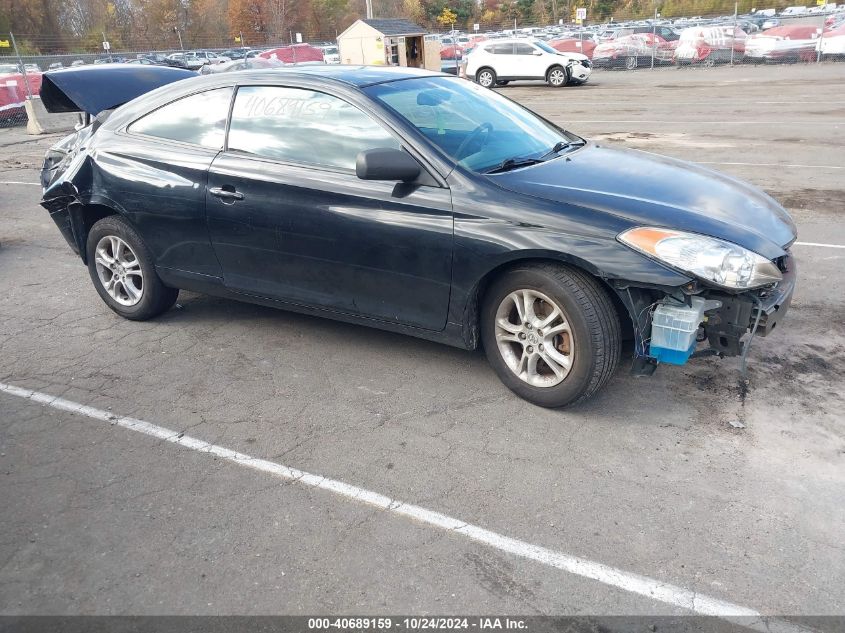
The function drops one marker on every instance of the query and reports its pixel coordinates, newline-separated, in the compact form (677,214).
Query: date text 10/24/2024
(416,623)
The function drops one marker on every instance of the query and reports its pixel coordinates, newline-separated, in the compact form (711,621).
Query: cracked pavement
(650,476)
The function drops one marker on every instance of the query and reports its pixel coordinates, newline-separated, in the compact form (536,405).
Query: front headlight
(719,262)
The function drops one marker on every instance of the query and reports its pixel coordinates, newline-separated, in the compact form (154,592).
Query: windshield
(476,127)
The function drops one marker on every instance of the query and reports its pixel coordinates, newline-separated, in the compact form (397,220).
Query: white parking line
(819,244)
(626,581)
(18,182)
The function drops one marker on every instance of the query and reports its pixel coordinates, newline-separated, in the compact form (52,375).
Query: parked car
(235,53)
(831,43)
(194,60)
(55,66)
(14,89)
(418,203)
(77,62)
(633,51)
(294,54)
(584,46)
(796,42)
(331,54)
(798,10)
(497,62)
(709,46)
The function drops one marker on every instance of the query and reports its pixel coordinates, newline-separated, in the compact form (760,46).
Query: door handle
(226,194)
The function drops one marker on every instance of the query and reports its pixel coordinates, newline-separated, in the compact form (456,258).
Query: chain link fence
(630,44)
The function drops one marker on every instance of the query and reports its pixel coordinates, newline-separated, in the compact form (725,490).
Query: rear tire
(583,343)
(123,271)
(503,83)
(486,77)
(631,63)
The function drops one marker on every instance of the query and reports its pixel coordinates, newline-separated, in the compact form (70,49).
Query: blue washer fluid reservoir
(673,330)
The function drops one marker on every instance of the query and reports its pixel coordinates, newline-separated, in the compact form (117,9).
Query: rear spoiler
(92,89)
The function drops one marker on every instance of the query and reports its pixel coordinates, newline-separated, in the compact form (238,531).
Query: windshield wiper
(512,163)
(559,147)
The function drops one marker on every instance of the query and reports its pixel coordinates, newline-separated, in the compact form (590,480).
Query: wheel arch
(471,315)
(564,68)
(86,214)
(484,67)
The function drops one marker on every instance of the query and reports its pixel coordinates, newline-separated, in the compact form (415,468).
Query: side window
(199,119)
(302,126)
(524,49)
(502,49)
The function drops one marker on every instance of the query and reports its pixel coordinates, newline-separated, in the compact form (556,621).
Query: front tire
(551,333)
(122,269)
(557,77)
(486,77)
(631,63)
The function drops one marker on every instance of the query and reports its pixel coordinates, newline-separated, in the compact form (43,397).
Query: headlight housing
(713,260)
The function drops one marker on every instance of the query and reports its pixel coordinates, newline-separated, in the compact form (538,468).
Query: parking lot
(683,492)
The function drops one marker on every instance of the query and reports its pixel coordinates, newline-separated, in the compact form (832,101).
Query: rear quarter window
(198,119)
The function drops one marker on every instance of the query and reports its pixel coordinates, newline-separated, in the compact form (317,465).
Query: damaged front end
(719,313)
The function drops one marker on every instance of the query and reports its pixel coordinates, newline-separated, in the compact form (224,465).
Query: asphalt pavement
(684,478)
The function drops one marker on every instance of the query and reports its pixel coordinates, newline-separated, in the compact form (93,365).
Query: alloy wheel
(485,78)
(534,338)
(119,270)
(631,63)
(557,77)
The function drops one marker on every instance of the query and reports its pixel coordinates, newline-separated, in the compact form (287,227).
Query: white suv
(496,62)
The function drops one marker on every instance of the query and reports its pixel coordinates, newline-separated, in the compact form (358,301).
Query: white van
(794,11)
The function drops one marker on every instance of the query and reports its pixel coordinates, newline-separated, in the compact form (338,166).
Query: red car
(795,42)
(633,51)
(13,92)
(294,54)
(574,45)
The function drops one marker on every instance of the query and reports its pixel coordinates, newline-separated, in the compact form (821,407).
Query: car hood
(94,89)
(653,190)
(578,57)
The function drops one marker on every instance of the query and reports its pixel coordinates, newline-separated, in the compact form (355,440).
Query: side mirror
(385,163)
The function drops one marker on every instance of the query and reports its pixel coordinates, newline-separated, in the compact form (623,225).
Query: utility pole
(733,33)
(179,33)
(369,9)
(21,64)
(654,35)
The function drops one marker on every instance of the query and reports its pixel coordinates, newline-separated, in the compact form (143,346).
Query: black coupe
(415,202)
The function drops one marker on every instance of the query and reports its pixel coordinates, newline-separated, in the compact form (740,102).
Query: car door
(529,64)
(504,61)
(290,220)
(157,169)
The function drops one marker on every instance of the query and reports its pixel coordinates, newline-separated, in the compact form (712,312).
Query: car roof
(511,40)
(359,76)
